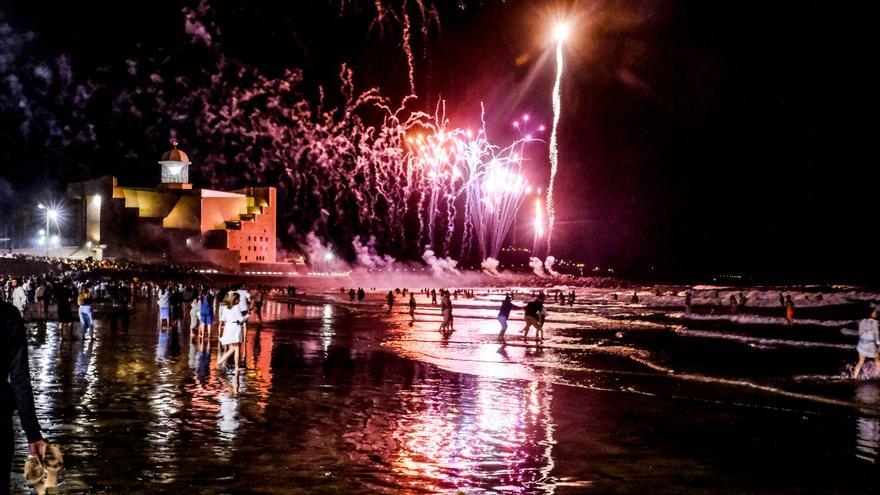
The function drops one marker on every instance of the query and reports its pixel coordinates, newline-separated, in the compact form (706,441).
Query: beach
(342,397)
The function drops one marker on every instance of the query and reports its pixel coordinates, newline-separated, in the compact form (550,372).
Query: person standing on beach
(433,296)
(63,295)
(244,307)
(351,294)
(412,307)
(16,392)
(503,314)
(534,316)
(19,296)
(869,340)
(206,310)
(231,333)
(84,300)
(789,310)
(258,303)
(688,301)
(195,306)
(390,300)
(446,311)
(176,301)
(361,294)
(734,304)
(164,302)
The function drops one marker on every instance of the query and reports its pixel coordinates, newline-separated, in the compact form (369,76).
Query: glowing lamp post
(51,215)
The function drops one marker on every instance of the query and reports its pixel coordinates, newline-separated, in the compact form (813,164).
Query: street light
(52,214)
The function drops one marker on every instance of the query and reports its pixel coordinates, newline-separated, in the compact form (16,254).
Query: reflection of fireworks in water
(560,32)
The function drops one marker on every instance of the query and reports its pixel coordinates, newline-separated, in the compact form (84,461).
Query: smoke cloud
(367,256)
(548,265)
(440,266)
(490,266)
(537,266)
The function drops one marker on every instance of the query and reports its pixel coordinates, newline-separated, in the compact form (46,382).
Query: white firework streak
(554,152)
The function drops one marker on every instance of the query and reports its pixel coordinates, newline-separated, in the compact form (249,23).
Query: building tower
(175,168)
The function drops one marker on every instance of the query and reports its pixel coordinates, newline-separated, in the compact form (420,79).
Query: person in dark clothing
(534,316)
(63,295)
(15,392)
(503,314)
(176,307)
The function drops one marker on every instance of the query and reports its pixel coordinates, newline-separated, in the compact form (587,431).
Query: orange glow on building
(231,229)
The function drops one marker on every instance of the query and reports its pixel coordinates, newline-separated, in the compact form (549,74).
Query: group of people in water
(535,313)
(235,304)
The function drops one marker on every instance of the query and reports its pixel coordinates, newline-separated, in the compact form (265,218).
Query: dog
(42,475)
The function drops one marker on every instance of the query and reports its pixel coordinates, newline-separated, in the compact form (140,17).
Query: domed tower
(175,168)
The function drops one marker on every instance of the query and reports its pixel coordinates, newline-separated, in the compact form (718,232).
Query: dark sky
(697,136)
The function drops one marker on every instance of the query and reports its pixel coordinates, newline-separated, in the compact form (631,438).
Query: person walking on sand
(789,310)
(503,314)
(869,340)
(230,329)
(390,300)
(16,392)
(534,316)
(412,307)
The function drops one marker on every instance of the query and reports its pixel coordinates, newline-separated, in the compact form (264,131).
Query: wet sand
(344,399)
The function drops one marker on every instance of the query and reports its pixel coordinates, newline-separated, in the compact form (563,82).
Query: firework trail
(407,47)
(560,33)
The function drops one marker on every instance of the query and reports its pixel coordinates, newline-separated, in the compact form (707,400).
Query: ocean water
(354,398)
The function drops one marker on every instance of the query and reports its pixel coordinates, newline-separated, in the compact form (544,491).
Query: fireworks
(539,222)
(368,176)
(459,167)
(560,32)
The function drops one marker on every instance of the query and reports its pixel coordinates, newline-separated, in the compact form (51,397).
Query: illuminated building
(176,223)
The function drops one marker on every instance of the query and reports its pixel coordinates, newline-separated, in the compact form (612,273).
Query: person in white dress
(869,339)
(230,329)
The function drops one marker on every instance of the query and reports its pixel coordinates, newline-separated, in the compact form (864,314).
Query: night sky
(697,137)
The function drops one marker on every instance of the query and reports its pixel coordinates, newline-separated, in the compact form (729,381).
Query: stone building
(176,223)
